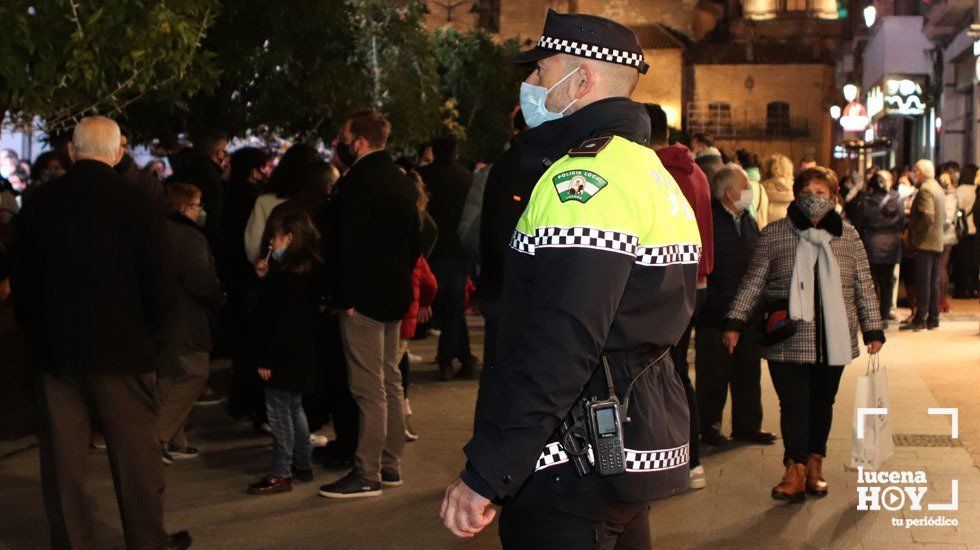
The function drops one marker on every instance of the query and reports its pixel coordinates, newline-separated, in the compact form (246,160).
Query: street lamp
(835,112)
(870,14)
(850,92)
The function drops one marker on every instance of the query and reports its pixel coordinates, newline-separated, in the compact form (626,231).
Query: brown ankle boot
(815,483)
(793,486)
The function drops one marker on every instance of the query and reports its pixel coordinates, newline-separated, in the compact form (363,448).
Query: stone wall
(807,88)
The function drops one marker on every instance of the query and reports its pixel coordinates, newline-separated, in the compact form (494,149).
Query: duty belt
(635,362)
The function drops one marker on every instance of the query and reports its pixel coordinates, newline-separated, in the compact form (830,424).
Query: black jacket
(572,294)
(879,218)
(447,183)
(235,268)
(735,252)
(200,291)
(95,276)
(376,239)
(202,172)
(288,315)
(518,169)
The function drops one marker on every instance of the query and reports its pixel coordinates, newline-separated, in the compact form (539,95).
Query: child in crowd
(288,309)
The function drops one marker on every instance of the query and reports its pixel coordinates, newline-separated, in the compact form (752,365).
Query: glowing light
(870,14)
(854,117)
(835,112)
(850,92)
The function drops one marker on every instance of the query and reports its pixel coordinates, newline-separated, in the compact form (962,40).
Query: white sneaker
(412,358)
(318,440)
(697,477)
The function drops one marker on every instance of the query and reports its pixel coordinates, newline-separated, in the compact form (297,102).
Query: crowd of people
(313,273)
(907,227)
(312,284)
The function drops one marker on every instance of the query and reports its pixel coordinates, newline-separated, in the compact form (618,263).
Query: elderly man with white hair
(926,220)
(735,235)
(94,282)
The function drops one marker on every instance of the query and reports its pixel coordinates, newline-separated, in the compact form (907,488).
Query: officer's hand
(464,511)
(729,339)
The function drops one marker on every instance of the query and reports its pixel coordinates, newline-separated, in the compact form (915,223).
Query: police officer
(599,278)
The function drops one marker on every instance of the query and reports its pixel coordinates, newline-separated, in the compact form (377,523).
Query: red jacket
(424,288)
(677,159)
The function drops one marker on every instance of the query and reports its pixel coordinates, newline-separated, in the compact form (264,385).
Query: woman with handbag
(811,271)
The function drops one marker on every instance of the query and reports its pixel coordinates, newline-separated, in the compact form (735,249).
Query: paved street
(206,495)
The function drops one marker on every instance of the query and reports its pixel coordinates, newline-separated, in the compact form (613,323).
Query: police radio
(606,435)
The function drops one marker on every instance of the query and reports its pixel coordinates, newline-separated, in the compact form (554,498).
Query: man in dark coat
(202,169)
(735,236)
(448,183)
(94,281)
(249,169)
(377,245)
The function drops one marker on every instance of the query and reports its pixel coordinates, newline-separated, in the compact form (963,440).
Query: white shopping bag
(871,392)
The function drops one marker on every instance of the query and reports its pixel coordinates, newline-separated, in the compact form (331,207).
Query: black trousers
(965,267)
(679,354)
(806,406)
(342,407)
(454,341)
(883,276)
(927,287)
(126,409)
(553,511)
(247,397)
(716,370)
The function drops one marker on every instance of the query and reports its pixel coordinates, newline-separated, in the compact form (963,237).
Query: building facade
(756,74)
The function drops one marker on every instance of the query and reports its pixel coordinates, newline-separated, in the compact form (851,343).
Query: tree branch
(78,22)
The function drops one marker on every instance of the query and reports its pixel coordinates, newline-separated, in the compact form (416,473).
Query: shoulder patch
(590,147)
(578,185)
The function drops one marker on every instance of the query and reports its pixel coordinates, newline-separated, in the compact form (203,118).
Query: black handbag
(776,325)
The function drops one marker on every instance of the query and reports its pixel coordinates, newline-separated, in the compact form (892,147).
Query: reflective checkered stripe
(591,51)
(601,239)
(668,255)
(658,460)
(522,243)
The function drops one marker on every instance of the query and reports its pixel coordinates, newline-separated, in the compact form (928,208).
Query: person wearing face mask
(599,284)
(810,273)
(736,234)
(183,361)
(286,355)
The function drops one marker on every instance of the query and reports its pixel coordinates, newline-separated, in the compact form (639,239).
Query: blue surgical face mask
(279,253)
(533,99)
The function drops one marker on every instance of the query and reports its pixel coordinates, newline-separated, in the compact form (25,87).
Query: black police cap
(586,36)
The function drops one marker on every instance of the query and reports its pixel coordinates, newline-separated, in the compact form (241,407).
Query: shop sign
(903,97)
(854,117)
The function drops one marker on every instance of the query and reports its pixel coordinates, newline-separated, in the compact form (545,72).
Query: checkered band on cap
(668,255)
(592,51)
(656,460)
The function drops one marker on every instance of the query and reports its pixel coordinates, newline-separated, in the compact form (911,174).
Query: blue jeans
(291,433)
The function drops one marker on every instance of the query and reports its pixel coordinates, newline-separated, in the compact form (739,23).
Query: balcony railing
(725,127)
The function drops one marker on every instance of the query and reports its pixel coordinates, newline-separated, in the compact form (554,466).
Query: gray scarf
(814,248)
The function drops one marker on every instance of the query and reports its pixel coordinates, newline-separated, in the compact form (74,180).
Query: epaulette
(590,147)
